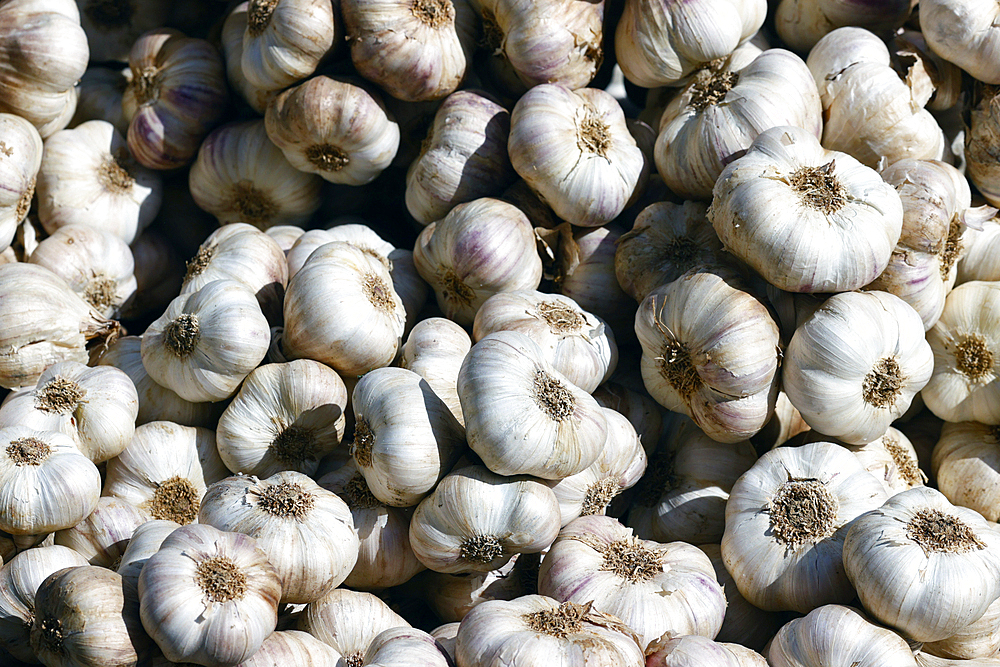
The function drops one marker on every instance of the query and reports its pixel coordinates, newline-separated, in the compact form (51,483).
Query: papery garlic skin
(233,29)
(660,43)
(100,97)
(402,647)
(981,257)
(980,639)
(293,647)
(802,23)
(286,39)
(574,149)
(801,238)
(435,350)
(965,32)
(21,158)
(348,621)
(145,541)
(965,463)
(690,651)
(102,536)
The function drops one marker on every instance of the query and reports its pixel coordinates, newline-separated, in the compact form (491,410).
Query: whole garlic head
(965,32)
(20,159)
(802,23)
(285,40)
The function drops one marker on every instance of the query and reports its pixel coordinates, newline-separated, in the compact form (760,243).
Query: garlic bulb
(981,140)
(966,341)
(166,470)
(285,236)
(980,639)
(452,596)
(590,180)
(854,366)
(402,647)
(659,44)
(158,274)
(981,257)
(903,556)
(710,350)
(293,647)
(722,111)
(20,159)
(475,521)
(100,96)
(176,94)
(208,597)
(435,350)
(286,39)
(341,310)
(102,536)
(523,416)
(586,274)
(892,459)
(415,51)
(834,634)
(333,128)
(802,23)
(645,414)
(683,495)
(539,630)
(576,343)
(241,176)
(43,53)
(306,531)
(83,617)
(349,621)
(504,256)
(233,29)
(145,541)
(464,156)
(207,341)
(46,483)
(693,651)
(965,463)
(785,525)
(446,636)
(97,407)
(806,218)
(286,416)
(597,559)
(965,32)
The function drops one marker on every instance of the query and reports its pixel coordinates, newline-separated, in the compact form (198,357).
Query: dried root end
(802,511)
(364,442)
(481,549)
(599,495)
(358,495)
(560,318)
(182,334)
(197,264)
(454,288)
(378,293)
(883,383)
(677,369)
(24,203)
(565,620)
(51,637)
(974,358)
(952,249)
(493,36)
(28,451)
(710,86)
(629,559)
(937,532)
(59,396)
(176,500)
(221,579)
(593,134)
(114,176)
(286,500)
(658,480)
(819,188)
(905,464)
(254,205)
(354,660)
(553,397)
(146,83)
(259,16)
(327,157)
(434,13)
(293,445)
(101,292)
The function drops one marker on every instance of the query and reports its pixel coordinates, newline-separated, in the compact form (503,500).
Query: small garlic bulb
(20,159)
(231,38)
(964,32)
(403,647)
(102,536)
(349,621)
(965,462)
(435,350)
(286,39)
(100,96)
(802,23)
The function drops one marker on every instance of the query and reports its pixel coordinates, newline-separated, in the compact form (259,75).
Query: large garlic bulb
(965,32)
(21,150)
(286,39)
(349,621)
(802,23)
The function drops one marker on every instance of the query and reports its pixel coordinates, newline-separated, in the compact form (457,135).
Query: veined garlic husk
(981,139)
(965,32)
(20,159)
(786,519)
(505,258)
(869,111)
(981,257)
(156,402)
(522,416)
(574,149)
(145,541)
(576,343)
(46,483)
(166,470)
(980,639)
(385,557)
(965,462)
(802,23)
(966,341)
(694,650)
(242,253)
(85,616)
(452,596)
(285,40)
(102,536)
(333,128)
(835,634)
(348,621)
(904,557)
(98,265)
(597,559)
(854,366)
(475,521)
(100,97)
(464,156)
(724,108)
(207,342)
(19,581)
(446,636)
(306,531)
(435,350)
(293,647)
(176,94)
(913,57)
(683,495)
(405,438)
(710,350)
(415,51)
(241,176)
(666,240)
(341,309)
(806,218)
(538,629)
(208,596)
(402,647)
(43,53)
(231,38)
(660,44)
(112,27)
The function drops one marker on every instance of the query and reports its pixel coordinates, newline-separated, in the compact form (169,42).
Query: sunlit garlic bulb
(286,39)
(349,621)
(435,350)
(102,536)
(965,464)
(232,49)
(802,23)
(20,159)
(965,32)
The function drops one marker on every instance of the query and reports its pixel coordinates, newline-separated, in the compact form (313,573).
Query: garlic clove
(21,147)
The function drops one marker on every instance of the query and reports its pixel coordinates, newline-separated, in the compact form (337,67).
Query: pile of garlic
(486,332)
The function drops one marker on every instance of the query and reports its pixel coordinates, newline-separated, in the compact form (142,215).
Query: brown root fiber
(710,86)
(221,579)
(493,37)
(883,383)
(819,188)
(481,549)
(938,532)
(434,13)
(677,369)
(293,445)
(358,495)
(327,157)
(259,16)
(802,512)
(52,635)
(24,203)
(565,620)
(364,441)
(952,249)
(552,397)
(560,318)
(182,334)
(599,495)
(197,264)
(455,289)
(973,357)
(114,176)
(658,480)
(378,293)
(146,83)
(28,451)
(59,396)
(253,204)
(286,500)
(176,500)
(630,559)
(593,134)
(905,464)
(101,292)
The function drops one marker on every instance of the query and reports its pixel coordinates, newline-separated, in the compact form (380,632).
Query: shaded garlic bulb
(43,53)
(981,140)
(102,536)
(415,51)
(348,621)
(240,176)
(435,350)
(20,159)
(100,96)
(333,128)
(96,264)
(903,557)
(693,651)
(402,647)
(785,525)
(233,29)
(452,596)
(286,39)
(306,531)
(965,32)
(981,257)
(854,366)
(505,257)
(341,309)
(586,274)
(166,470)
(980,639)
(802,23)
(464,156)
(597,559)
(199,577)
(965,464)
(475,521)
(539,630)
(589,181)
(177,93)
(145,541)
(446,636)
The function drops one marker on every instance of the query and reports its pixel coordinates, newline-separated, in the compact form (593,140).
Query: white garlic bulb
(983,123)
(435,350)
(20,159)
(402,647)
(965,463)
(802,23)
(980,639)
(231,38)
(981,257)
(965,32)
(145,541)
(693,651)
(348,621)
(286,39)
(102,536)
(293,647)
